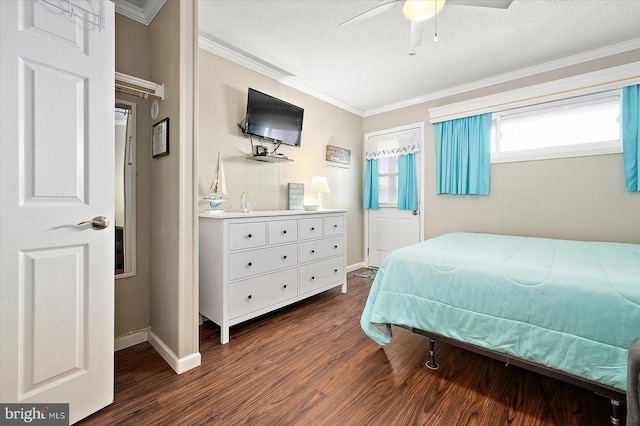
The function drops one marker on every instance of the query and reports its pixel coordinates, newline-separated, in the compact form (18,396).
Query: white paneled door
(389,230)
(57,170)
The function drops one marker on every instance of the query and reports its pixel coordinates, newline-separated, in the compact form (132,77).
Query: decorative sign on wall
(295,196)
(338,155)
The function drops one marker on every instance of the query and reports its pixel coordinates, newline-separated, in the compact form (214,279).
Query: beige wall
(575,198)
(172,284)
(163,294)
(132,294)
(222,104)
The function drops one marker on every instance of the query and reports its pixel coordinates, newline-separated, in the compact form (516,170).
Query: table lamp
(319,184)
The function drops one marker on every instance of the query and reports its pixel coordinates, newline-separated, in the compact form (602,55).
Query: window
(587,125)
(388,181)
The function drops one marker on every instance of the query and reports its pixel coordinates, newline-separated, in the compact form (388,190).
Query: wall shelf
(269,158)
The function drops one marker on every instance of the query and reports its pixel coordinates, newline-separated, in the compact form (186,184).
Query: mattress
(569,305)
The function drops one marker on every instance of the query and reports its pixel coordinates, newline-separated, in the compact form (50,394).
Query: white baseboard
(351,268)
(131,339)
(179,365)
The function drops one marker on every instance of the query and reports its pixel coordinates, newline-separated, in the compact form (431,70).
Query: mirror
(125,185)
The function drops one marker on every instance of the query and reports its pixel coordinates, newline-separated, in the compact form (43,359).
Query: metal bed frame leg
(431,362)
(615,412)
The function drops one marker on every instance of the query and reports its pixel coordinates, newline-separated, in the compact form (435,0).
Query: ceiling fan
(419,11)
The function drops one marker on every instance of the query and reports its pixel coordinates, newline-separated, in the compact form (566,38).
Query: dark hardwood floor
(310,364)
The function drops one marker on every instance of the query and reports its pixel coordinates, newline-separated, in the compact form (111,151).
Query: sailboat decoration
(218,189)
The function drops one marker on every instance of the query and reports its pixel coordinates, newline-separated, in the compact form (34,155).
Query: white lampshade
(319,184)
(418,10)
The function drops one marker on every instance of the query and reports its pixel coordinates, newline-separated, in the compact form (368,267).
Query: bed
(568,309)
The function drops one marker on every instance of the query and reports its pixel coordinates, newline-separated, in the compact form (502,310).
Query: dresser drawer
(320,274)
(283,231)
(248,263)
(333,225)
(247,235)
(320,249)
(310,228)
(256,293)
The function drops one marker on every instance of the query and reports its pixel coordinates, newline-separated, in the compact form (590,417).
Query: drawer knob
(249,235)
(284,232)
(313,228)
(335,226)
(284,257)
(313,278)
(250,263)
(284,286)
(335,247)
(249,296)
(335,270)
(313,251)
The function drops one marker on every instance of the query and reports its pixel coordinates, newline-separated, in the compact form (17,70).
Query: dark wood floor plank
(311,364)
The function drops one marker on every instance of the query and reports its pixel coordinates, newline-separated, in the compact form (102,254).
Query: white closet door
(57,165)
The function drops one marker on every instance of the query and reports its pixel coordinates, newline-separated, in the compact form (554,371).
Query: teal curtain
(371,185)
(407,186)
(631,136)
(462,155)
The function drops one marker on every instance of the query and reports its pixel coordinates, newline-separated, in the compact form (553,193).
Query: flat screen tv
(273,118)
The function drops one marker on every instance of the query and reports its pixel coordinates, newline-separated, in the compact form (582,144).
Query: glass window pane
(566,125)
(388,165)
(388,191)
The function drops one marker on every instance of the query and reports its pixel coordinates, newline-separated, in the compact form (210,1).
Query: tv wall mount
(259,151)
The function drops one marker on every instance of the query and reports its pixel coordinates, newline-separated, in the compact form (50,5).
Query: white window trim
(563,151)
(566,151)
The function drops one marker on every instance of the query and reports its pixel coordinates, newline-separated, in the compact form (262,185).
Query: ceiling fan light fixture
(418,10)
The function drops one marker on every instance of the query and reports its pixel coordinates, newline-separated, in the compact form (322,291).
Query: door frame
(420,180)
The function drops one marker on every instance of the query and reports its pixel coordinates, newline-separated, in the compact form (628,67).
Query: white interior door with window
(387,228)
(57,165)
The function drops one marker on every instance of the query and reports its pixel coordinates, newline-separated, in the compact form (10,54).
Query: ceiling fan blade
(371,13)
(497,4)
(417,34)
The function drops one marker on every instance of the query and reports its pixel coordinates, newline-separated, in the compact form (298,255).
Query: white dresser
(254,263)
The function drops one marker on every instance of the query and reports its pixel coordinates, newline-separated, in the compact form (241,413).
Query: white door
(388,229)
(57,169)
(391,229)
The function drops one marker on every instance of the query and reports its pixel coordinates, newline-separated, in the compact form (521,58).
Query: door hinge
(367,251)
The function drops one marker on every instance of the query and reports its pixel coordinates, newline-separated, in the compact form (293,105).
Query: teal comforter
(569,305)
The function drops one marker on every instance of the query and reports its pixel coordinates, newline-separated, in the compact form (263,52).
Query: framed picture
(338,155)
(160,138)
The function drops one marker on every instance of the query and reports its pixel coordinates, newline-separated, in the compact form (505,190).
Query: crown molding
(268,69)
(288,78)
(144,16)
(591,55)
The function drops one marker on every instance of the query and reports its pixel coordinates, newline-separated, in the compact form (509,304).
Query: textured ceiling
(367,66)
